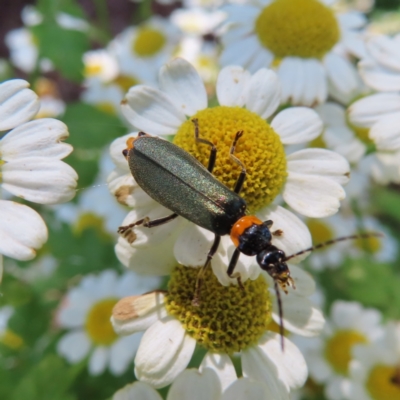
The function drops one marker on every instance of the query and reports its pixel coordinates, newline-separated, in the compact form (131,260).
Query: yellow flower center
(361,132)
(98,325)
(259,149)
(125,82)
(107,107)
(338,349)
(11,339)
(90,221)
(320,231)
(372,244)
(92,70)
(149,41)
(302,28)
(228,319)
(383,382)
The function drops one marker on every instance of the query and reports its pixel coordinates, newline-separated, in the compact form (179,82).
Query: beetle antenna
(340,239)
(280,309)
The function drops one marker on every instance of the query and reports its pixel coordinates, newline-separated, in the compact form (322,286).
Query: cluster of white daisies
(315,92)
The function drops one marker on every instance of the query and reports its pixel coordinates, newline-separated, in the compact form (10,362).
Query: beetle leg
(242,176)
(199,279)
(278,232)
(213,151)
(126,231)
(159,221)
(231,268)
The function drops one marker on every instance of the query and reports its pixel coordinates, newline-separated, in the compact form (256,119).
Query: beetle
(179,182)
(169,174)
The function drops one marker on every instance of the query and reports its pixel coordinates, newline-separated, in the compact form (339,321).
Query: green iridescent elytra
(176,180)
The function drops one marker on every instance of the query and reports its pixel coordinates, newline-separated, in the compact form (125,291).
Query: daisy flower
(325,229)
(198,385)
(148,45)
(381,249)
(375,369)
(31,168)
(85,313)
(329,355)
(107,80)
(305,40)
(228,321)
(309,180)
(376,118)
(23,49)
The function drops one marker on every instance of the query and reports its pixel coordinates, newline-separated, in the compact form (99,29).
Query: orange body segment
(241,225)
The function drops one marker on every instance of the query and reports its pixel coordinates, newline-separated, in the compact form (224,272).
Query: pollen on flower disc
(298,28)
(338,349)
(259,149)
(228,319)
(381,382)
(98,325)
(149,41)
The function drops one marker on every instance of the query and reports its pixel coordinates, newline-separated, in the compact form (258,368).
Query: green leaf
(48,380)
(387,202)
(90,127)
(364,280)
(90,131)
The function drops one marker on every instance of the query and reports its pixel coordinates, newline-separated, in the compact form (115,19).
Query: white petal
(292,76)
(263,93)
(74,346)
(127,191)
(222,365)
(313,187)
(231,86)
(164,352)
(352,20)
(116,148)
(18,104)
(137,313)
(151,260)
(367,111)
(241,52)
(258,366)
(341,73)
(22,230)
(137,391)
(39,138)
(192,246)
(248,389)
(299,315)
(262,59)
(290,363)
(194,385)
(40,179)
(315,82)
(297,125)
(98,360)
(386,133)
(152,111)
(305,284)
(295,237)
(182,83)
(385,51)
(379,77)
